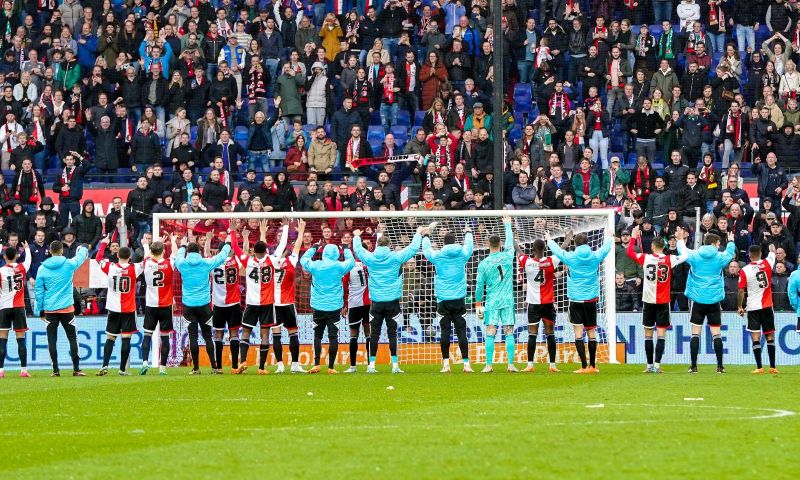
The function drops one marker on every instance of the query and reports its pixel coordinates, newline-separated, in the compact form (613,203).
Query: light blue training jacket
(450,282)
(385,268)
(194,271)
(705,283)
(794,291)
(53,287)
(327,290)
(582,282)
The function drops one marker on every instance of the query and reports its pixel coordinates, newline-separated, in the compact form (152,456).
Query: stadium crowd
(652,108)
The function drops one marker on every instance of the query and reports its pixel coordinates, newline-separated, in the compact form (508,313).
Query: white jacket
(688,13)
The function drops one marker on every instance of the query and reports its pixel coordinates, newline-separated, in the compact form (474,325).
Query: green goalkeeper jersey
(496,276)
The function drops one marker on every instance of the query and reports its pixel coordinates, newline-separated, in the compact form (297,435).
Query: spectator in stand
(87,225)
(259,142)
(585,184)
(69,187)
(145,147)
(306,201)
(214,193)
(646,125)
(139,205)
(627,298)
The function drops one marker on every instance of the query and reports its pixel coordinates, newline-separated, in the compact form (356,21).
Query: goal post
(419,335)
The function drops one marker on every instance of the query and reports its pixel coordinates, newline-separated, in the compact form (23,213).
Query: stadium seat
(522,90)
(240,133)
(375,133)
(656,30)
(400,133)
(404,118)
(193,134)
(419,117)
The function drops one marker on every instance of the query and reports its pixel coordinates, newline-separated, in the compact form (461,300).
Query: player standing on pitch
(12,306)
(706,289)
(285,297)
(53,291)
(356,297)
(120,303)
(259,295)
(195,270)
(540,297)
(755,278)
(496,276)
(656,295)
(226,298)
(794,295)
(450,286)
(583,291)
(327,297)
(385,290)
(159,273)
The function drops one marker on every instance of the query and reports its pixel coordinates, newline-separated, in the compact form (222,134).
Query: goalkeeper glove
(480,310)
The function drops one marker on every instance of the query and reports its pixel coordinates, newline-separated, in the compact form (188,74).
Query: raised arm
(220,257)
(358,249)
(348,263)
(427,248)
(306,262)
(284,239)
(27,262)
(80,256)
(509,233)
(407,253)
(298,243)
(469,244)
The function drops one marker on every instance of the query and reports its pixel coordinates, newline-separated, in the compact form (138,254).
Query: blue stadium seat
(376,150)
(404,118)
(656,30)
(400,133)
(240,133)
(308,128)
(522,107)
(419,116)
(522,90)
(375,133)
(193,134)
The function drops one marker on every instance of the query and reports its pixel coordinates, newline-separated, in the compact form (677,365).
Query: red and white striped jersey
(756,278)
(259,281)
(225,289)
(12,283)
(121,293)
(657,282)
(284,279)
(158,277)
(356,286)
(540,274)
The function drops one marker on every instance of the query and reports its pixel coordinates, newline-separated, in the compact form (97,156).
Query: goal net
(419,331)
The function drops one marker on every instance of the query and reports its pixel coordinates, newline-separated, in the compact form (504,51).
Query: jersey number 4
(657,272)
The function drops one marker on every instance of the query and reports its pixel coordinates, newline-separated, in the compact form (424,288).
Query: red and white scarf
(411,77)
(733,127)
(66,179)
(34,198)
(388,88)
(598,31)
(352,150)
(559,101)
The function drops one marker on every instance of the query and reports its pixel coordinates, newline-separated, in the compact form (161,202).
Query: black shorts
(230,316)
(13,318)
(324,318)
(285,316)
(701,311)
(255,315)
(161,316)
(761,321)
(452,310)
(358,315)
(197,314)
(583,313)
(541,312)
(121,323)
(386,311)
(655,315)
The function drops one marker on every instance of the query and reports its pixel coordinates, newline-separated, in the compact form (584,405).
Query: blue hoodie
(194,270)
(450,282)
(53,287)
(327,291)
(582,282)
(384,264)
(705,283)
(794,291)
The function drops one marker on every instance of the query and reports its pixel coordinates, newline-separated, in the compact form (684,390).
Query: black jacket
(145,149)
(214,194)
(140,203)
(161,91)
(105,144)
(75,192)
(88,229)
(27,195)
(68,140)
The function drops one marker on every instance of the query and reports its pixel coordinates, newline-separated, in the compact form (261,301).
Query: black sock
(648,350)
(165,345)
(660,344)
(22,352)
(694,348)
(194,345)
(593,352)
(770,353)
(277,347)
(107,349)
(52,343)
(263,353)
(218,346)
(147,339)
(757,354)
(211,349)
(294,346)
(531,346)
(718,349)
(581,351)
(234,350)
(125,353)
(333,350)
(244,347)
(3,348)
(551,347)
(353,351)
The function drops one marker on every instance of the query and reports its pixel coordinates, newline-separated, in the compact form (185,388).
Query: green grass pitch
(619,424)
